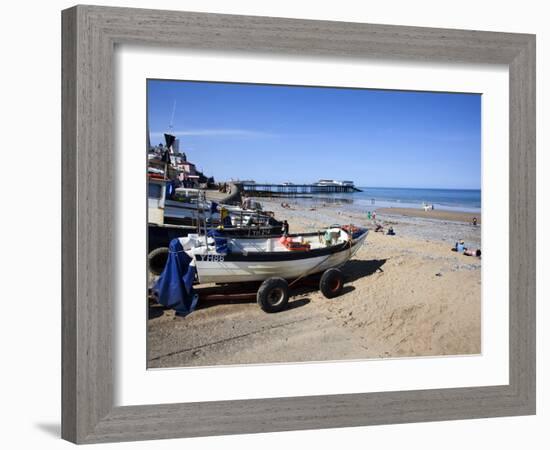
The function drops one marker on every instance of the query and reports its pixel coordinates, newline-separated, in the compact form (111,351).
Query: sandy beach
(406,295)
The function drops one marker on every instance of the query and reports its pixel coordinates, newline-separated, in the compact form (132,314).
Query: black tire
(272,295)
(157,260)
(332,283)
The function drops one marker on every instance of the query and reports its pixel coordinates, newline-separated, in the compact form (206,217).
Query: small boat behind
(160,235)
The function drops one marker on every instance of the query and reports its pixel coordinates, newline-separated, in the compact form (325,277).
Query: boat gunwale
(290,255)
(292,235)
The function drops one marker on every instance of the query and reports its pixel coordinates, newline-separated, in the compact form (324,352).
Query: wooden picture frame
(90,34)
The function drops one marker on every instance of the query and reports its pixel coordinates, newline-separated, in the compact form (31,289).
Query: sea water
(371,198)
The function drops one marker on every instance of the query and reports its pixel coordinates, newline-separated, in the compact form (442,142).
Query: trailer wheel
(332,283)
(157,260)
(272,295)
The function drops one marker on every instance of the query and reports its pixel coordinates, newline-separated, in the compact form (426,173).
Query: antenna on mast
(169,138)
(171,126)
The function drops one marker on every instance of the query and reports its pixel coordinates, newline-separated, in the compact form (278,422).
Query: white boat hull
(213,268)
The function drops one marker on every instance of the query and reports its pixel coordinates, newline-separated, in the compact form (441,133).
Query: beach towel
(174,287)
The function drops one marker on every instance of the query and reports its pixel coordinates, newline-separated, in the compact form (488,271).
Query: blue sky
(301,134)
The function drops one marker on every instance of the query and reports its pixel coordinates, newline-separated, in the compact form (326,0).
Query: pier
(292,190)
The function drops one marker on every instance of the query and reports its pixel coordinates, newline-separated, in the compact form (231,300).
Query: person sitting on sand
(390,231)
(474,221)
(379,228)
(459,247)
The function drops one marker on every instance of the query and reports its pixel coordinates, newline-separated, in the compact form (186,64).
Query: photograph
(303,224)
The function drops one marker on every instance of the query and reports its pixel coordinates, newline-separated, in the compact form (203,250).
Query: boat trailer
(272,294)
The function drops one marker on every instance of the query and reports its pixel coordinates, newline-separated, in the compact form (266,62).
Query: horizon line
(375,187)
(434,188)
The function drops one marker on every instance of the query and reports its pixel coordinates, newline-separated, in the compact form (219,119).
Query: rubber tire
(156,260)
(266,290)
(332,283)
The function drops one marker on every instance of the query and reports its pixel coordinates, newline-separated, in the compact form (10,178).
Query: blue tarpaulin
(174,287)
(219,240)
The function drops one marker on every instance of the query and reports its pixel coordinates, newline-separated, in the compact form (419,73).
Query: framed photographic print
(278,224)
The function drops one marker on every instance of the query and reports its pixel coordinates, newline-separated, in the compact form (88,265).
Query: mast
(171,124)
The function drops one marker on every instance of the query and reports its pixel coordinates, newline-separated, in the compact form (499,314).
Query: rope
(178,251)
(309,271)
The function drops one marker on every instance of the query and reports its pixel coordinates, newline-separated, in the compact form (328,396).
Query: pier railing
(280,190)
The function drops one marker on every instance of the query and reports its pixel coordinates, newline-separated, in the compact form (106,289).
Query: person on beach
(474,221)
(368,214)
(459,247)
(390,232)
(285,228)
(379,228)
(374,215)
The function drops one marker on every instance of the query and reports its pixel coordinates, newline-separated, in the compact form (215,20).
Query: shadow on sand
(155,310)
(359,268)
(208,303)
(353,270)
(297,303)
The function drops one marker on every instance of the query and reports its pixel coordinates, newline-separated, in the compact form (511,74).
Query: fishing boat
(188,207)
(189,213)
(160,235)
(170,219)
(273,261)
(224,259)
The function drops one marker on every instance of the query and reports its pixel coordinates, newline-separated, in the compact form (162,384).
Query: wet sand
(432,214)
(406,295)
